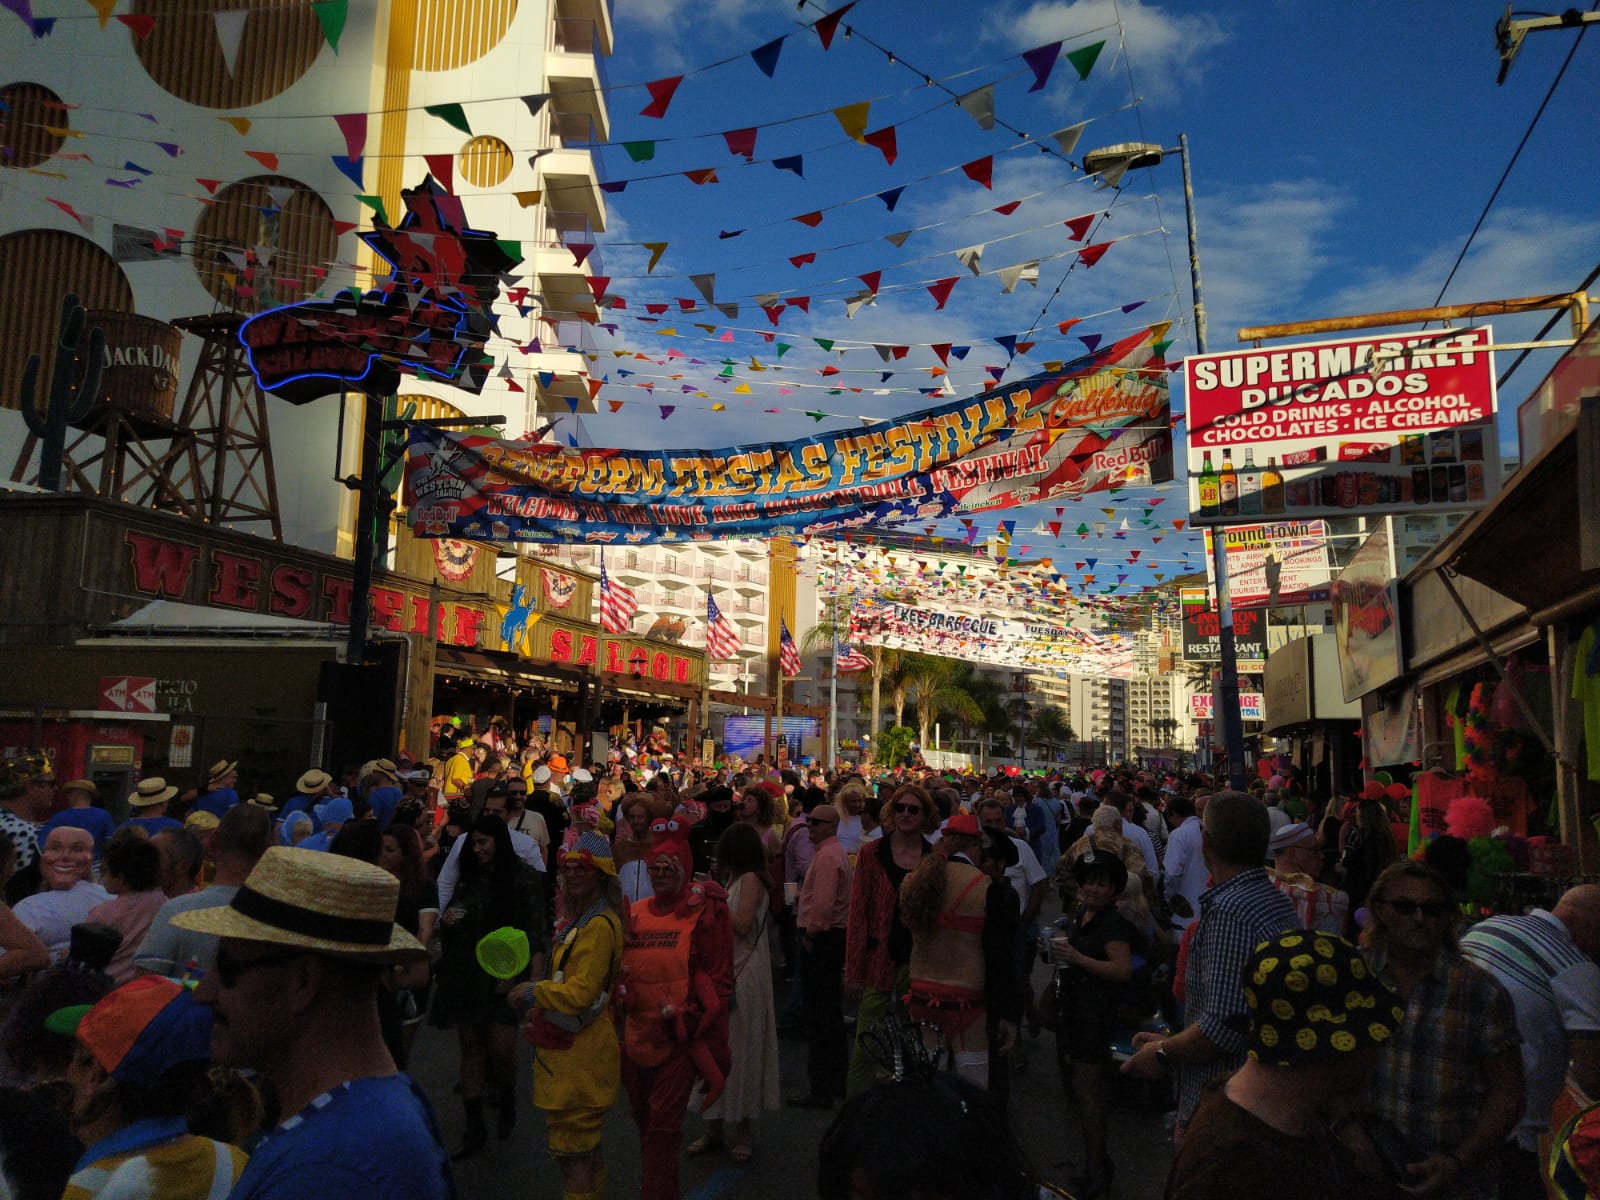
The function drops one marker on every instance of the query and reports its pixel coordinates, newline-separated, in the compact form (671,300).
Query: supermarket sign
(1366,426)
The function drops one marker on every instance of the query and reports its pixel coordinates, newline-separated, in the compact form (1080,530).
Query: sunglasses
(230,969)
(909,808)
(1431,910)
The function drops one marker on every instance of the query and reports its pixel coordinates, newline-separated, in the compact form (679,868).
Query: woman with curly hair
(497,889)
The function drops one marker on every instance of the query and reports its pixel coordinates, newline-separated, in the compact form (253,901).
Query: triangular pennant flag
(451,114)
(1067,138)
(1012,275)
(442,168)
(871,279)
(884,140)
(536,102)
(375,203)
(580,251)
(941,290)
(705,284)
(230,25)
(1083,58)
(354,128)
(667,410)
(241,125)
(980,170)
(942,349)
(142,24)
(528,198)
(661,93)
(853,118)
(597,284)
(897,239)
(792,162)
(640,151)
(102,7)
(265,157)
(1006,209)
(1041,61)
(657,249)
(971,257)
(703,176)
(1079,226)
(979,105)
(811,219)
(890,198)
(1090,255)
(1111,176)
(350,168)
(331,15)
(800,260)
(766,57)
(825,26)
(742,142)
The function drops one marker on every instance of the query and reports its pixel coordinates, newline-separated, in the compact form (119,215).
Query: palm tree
(885,662)
(933,683)
(896,673)
(1050,730)
(1165,728)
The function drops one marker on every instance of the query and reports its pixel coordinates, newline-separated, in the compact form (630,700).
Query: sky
(1341,156)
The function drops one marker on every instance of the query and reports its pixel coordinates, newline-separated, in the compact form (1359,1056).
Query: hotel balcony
(575,67)
(570,171)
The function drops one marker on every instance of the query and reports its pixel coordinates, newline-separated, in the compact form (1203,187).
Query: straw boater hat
(82,785)
(150,792)
(318,902)
(312,782)
(220,770)
(262,800)
(386,767)
(201,821)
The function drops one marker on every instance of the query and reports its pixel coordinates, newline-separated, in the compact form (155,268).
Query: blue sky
(1341,155)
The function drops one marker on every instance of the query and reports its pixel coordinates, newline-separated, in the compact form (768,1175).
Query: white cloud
(1165,49)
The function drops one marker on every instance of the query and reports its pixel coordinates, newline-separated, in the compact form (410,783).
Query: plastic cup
(504,952)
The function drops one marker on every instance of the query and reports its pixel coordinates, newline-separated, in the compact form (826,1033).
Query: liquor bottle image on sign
(1228,487)
(1249,486)
(1272,488)
(1208,487)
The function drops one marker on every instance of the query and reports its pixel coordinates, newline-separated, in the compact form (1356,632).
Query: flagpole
(705,683)
(833,690)
(778,709)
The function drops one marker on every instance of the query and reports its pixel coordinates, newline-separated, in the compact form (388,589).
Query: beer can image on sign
(1386,424)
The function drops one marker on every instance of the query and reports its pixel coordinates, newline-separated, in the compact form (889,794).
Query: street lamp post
(1144,154)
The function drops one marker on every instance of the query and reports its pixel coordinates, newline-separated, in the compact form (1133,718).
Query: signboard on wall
(1366,606)
(1251,706)
(1274,565)
(1359,426)
(1202,637)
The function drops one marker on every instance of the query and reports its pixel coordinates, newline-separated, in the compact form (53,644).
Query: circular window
(453,34)
(38,267)
(267,241)
(278,42)
(32,111)
(486,162)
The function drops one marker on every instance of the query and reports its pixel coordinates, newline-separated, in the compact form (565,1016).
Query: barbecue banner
(1357,427)
(1103,421)
(999,641)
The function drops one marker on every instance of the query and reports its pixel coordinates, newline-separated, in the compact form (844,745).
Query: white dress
(753,1026)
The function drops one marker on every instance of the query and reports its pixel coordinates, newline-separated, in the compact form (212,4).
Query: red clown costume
(676,984)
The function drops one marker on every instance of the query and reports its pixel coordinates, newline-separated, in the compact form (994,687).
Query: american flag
(722,640)
(847,659)
(617,605)
(788,652)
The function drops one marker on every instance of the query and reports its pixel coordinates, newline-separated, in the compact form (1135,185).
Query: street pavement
(784,1167)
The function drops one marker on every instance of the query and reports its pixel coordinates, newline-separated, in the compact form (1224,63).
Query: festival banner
(1101,422)
(998,641)
(1362,426)
(1276,565)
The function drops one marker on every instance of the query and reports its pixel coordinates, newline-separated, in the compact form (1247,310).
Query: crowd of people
(220,995)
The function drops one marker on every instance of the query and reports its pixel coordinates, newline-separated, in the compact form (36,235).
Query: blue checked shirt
(1235,918)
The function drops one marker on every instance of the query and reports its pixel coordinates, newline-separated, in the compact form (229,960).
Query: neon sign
(432,317)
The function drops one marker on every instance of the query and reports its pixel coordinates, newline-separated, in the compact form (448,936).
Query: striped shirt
(1555,989)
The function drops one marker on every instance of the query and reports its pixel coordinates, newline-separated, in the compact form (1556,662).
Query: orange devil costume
(676,984)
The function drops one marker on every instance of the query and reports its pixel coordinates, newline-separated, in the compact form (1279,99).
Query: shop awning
(1525,544)
(169,617)
(503,667)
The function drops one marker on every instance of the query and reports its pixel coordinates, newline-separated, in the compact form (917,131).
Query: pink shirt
(130,914)
(825,895)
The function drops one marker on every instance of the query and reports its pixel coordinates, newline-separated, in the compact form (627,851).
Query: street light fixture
(1111,162)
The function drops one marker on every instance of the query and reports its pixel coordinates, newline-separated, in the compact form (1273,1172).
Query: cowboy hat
(150,792)
(312,782)
(220,770)
(320,903)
